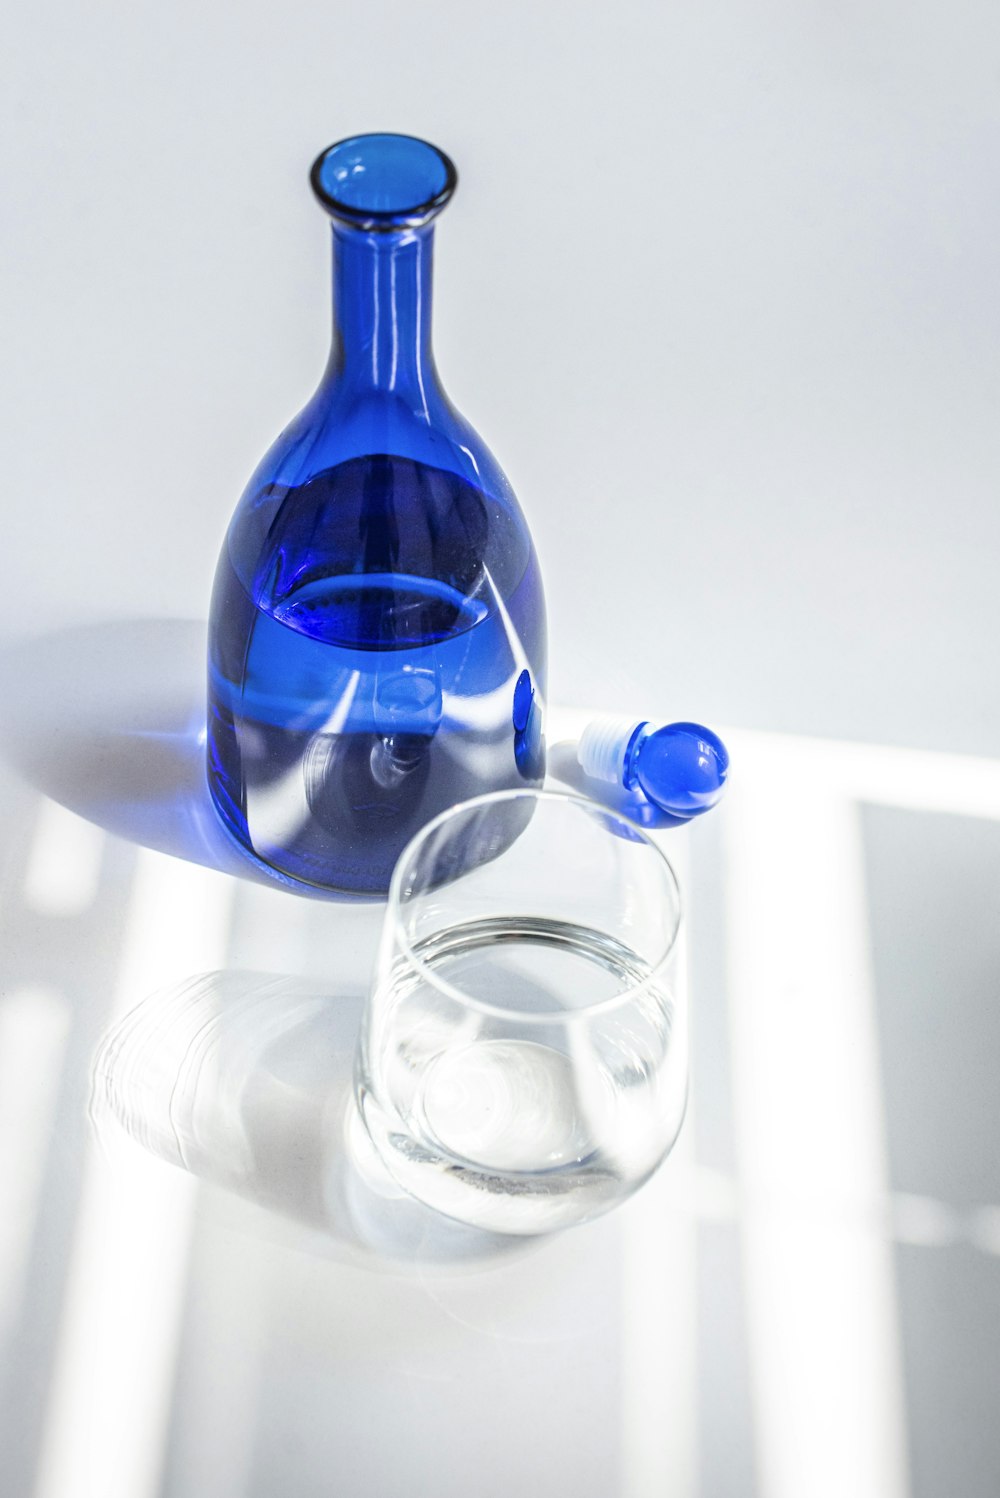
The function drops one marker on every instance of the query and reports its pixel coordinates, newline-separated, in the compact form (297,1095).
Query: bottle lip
(382,182)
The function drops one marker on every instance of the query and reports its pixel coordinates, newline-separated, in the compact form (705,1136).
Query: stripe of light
(64,862)
(658,1409)
(34,1024)
(110,1395)
(658,1286)
(821,1303)
(914,779)
(278,812)
(480,711)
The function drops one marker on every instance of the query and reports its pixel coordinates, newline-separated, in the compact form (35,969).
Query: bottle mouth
(383,182)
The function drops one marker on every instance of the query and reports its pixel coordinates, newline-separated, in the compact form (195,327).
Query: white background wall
(719,287)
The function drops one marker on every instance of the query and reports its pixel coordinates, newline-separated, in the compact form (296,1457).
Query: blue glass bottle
(378,598)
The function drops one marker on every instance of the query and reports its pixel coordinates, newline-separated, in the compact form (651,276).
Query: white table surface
(787,1308)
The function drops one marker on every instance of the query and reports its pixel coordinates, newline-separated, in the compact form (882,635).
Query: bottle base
(258,862)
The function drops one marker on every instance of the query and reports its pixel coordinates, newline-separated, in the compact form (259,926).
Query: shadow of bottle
(109,720)
(245,1081)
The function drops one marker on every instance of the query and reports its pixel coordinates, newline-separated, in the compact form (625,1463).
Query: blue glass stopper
(680,767)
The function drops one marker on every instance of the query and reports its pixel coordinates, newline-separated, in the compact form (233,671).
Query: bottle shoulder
(386,513)
(339,423)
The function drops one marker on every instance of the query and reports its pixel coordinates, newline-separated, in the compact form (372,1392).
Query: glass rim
(385,220)
(498,1011)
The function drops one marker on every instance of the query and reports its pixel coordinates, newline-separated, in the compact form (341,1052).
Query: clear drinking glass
(522,1064)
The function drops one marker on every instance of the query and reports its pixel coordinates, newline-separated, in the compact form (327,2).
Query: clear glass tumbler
(522,1064)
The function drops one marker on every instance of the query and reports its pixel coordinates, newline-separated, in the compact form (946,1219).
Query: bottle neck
(382,309)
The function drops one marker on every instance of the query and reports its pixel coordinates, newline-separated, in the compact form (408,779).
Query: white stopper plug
(601,750)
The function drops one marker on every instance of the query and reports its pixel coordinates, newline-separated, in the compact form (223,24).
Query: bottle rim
(383,181)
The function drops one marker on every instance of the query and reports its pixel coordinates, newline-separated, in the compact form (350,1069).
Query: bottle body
(363,663)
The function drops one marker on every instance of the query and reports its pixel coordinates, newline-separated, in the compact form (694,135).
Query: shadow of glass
(109,720)
(245,1081)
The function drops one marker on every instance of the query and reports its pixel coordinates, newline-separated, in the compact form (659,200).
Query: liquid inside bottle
(369,627)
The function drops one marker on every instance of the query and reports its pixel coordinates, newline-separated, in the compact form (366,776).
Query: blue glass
(681,767)
(378,598)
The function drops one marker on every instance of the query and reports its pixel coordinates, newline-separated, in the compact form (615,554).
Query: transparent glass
(377,637)
(522,1064)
